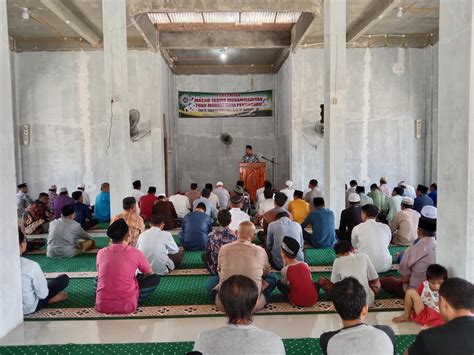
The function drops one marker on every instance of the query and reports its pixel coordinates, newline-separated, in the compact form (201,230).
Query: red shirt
(146,204)
(117,286)
(302,290)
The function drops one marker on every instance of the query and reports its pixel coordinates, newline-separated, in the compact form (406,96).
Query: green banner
(239,104)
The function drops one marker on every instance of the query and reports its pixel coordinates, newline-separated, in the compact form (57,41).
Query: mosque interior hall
(236,176)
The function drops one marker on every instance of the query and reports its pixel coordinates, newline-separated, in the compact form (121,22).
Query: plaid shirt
(216,240)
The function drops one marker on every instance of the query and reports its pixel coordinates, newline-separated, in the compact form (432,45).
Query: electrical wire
(110,126)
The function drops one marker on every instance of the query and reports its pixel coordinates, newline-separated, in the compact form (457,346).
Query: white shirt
(394,205)
(34,286)
(156,245)
(223,196)
(410,191)
(137,194)
(373,238)
(214,199)
(289,193)
(86,199)
(181,204)
(238,217)
(265,205)
(357,266)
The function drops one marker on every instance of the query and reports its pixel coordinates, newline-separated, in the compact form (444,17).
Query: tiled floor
(179,329)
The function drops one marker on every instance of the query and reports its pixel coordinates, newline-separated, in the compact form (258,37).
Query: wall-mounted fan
(227,139)
(134,119)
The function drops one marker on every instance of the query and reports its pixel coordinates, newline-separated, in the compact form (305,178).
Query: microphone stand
(273,162)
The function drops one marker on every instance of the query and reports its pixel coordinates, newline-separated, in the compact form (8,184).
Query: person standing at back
(322,221)
(373,238)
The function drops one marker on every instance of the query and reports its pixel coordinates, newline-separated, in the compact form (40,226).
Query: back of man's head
(224,218)
(194,186)
(76,195)
(238,295)
(349,298)
(360,189)
(297,194)
(206,193)
(281,215)
(201,206)
(318,202)
(128,203)
(208,186)
(67,210)
(458,293)
(342,247)
(157,220)
(371,211)
(152,190)
(399,191)
(137,184)
(374,187)
(246,231)
(353,183)
(240,183)
(313,183)
(268,193)
(280,199)
(268,184)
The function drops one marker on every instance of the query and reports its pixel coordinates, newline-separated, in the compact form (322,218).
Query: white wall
(61,95)
(202,158)
(386,92)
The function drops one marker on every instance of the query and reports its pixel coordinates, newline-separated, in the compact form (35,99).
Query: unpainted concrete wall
(61,95)
(386,92)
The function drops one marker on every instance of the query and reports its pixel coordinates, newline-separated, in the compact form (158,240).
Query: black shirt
(350,218)
(453,338)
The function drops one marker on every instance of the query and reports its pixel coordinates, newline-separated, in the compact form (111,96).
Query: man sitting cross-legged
(244,258)
(36,291)
(356,337)
(296,282)
(358,266)
(405,223)
(237,215)
(456,304)
(165,208)
(268,217)
(66,238)
(239,295)
(196,228)
(118,289)
(159,247)
(281,228)
(134,221)
(298,208)
(219,237)
(421,305)
(35,220)
(82,213)
(322,221)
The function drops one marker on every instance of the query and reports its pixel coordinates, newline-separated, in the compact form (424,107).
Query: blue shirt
(210,209)
(82,213)
(195,230)
(434,196)
(277,230)
(324,233)
(102,207)
(422,201)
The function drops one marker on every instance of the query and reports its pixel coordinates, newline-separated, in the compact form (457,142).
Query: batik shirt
(249,159)
(216,240)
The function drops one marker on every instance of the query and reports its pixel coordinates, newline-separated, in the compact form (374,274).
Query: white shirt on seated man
(181,204)
(238,216)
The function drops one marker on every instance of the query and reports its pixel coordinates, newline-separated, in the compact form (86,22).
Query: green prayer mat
(192,260)
(303,346)
(173,291)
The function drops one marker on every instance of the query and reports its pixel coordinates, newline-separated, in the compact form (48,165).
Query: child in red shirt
(421,305)
(296,282)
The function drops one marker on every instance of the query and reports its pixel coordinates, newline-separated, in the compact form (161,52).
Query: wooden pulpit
(253,176)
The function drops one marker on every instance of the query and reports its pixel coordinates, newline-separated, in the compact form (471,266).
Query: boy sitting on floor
(421,305)
(296,282)
(348,264)
(118,289)
(36,291)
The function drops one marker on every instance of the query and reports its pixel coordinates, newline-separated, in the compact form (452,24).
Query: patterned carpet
(303,346)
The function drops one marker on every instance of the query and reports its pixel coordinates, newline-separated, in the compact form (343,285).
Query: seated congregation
(254,250)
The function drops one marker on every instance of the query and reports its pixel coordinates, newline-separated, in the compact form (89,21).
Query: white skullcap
(289,183)
(429,212)
(220,183)
(353,197)
(407,201)
(162,194)
(81,186)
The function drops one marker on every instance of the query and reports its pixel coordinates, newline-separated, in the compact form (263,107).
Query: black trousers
(55,286)
(89,224)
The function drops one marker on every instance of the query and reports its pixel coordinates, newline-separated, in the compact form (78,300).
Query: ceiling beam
(301,29)
(221,39)
(370,19)
(223,69)
(139,6)
(65,14)
(146,29)
(281,59)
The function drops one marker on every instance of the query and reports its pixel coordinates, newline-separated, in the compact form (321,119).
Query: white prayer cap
(407,201)
(430,212)
(353,197)
(162,194)
(53,187)
(81,186)
(220,183)
(63,189)
(289,183)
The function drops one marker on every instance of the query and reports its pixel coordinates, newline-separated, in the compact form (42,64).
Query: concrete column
(334,104)
(11,313)
(116,88)
(456,138)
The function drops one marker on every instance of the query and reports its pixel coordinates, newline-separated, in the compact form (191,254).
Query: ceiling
(255,35)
